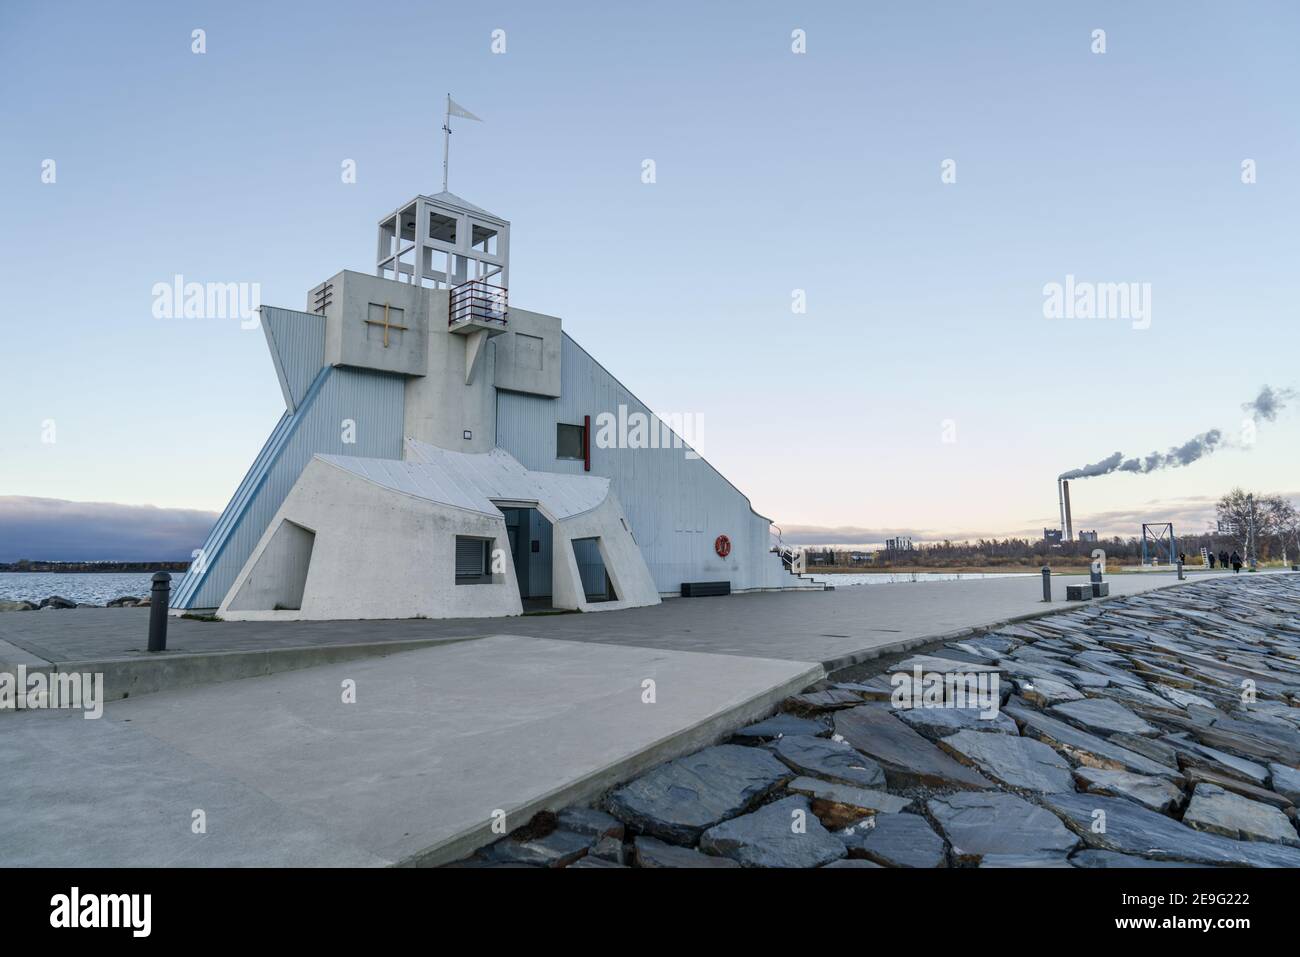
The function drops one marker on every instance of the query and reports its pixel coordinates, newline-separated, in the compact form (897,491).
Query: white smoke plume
(1265,406)
(1268,403)
(1197,447)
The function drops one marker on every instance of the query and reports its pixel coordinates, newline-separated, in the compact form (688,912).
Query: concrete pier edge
(145,674)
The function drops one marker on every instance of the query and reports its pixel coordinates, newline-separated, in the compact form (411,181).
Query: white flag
(455,109)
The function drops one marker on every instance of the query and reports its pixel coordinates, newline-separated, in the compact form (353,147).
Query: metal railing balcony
(478,301)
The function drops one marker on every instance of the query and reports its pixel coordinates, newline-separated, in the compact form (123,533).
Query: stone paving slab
(980,823)
(895,840)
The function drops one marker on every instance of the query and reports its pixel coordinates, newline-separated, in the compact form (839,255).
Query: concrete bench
(705,589)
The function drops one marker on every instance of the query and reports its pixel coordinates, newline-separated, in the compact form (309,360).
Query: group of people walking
(1225,560)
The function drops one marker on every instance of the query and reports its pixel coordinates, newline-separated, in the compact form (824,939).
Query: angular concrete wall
(624,563)
(378,554)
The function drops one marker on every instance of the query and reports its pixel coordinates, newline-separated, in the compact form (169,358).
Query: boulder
(814,702)
(1025,860)
(1097,859)
(780,726)
(839,805)
(677,801)
(784,833)
(1285,781)
(18,606)
(1045,692)
(1237,786)
(1158,794)
(57,601)
(895,840)
(1021,763)
(936,723)
(1103,716)
(1082,747)
(589,861)
(833,760)
(1076,677)
(977,824)
(1139,697)
(1117,824)
(850,862)
(651,852)
(557,849)
(1258,743)
(1184,699)
(1157,749)
(1220,811)
(1193,754)
(908,758)
(589,820)
(940,665)
(609,849)
(876,688)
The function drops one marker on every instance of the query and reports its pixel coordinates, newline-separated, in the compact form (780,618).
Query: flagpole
(446,142)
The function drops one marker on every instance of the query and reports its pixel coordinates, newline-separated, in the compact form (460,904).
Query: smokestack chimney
(1069,523)
(1060,501)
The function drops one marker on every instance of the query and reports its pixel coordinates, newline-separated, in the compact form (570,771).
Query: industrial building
(444,453)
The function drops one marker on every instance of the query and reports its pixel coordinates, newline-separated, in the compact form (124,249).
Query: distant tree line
(1266,526)
(29,565)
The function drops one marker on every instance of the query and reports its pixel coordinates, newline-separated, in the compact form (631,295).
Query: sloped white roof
(451,199)
(474,480)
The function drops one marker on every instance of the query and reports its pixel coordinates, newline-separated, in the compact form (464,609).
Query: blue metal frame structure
(1158,542)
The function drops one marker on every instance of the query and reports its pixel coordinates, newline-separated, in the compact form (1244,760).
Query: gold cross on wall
(386,324)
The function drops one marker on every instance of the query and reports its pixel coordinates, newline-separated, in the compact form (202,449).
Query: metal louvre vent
(471,558)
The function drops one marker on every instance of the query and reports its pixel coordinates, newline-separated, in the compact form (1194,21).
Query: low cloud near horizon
(51,529)
(1191,516)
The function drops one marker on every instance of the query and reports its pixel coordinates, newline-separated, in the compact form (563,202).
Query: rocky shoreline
(58,602)
(1156,730)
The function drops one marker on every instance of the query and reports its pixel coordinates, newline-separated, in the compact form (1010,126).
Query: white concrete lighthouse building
(444,453)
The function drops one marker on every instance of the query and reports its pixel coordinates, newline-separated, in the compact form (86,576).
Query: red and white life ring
(722,545)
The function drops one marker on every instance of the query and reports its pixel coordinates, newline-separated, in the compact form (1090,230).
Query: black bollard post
(159,599)
(1047,583)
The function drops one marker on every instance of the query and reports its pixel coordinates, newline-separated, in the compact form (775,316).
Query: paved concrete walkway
(835,627)
(437,740)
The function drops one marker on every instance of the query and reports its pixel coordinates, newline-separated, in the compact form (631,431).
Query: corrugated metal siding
(676,506)
(297,342)
(372,400)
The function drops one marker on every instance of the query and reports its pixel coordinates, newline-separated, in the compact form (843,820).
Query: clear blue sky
(776,172)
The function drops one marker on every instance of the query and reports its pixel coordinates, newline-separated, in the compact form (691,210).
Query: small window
(570,440)
(472,560)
